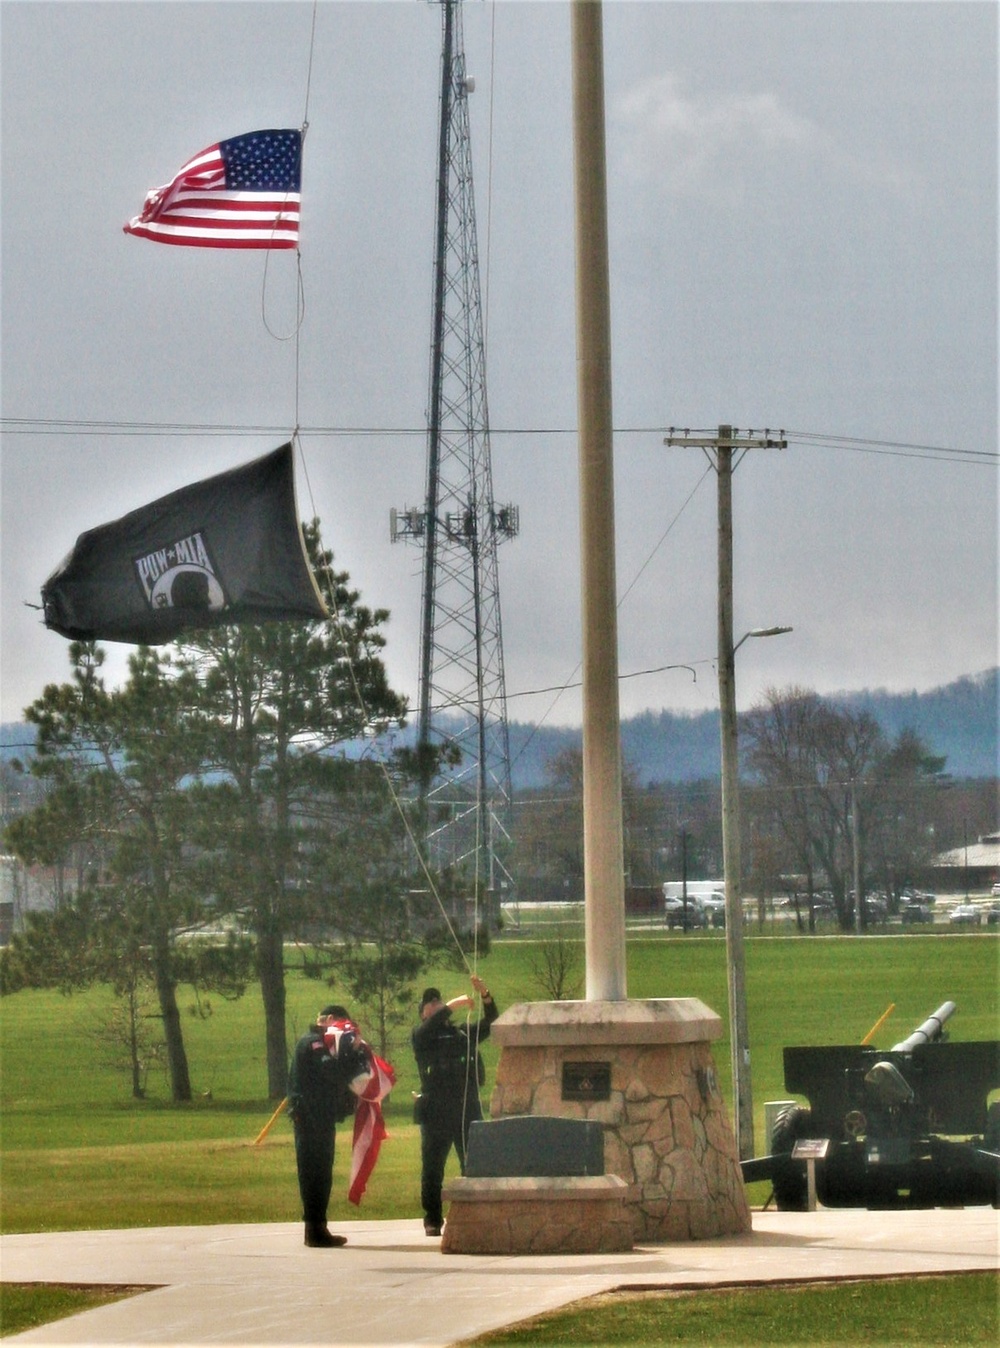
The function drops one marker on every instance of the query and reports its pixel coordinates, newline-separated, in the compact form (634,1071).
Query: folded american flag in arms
(371,1086)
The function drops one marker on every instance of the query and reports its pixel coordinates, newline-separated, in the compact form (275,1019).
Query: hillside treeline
(958,722)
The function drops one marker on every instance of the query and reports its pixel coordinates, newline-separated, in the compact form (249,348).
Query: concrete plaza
(391,1285)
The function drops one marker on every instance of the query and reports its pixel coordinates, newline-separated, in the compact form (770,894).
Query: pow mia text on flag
(225,550)
(181,576)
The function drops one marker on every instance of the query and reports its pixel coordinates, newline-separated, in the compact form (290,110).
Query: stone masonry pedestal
(572,1215)
(644,1070)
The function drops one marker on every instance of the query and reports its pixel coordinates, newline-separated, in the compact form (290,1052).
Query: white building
(976,866)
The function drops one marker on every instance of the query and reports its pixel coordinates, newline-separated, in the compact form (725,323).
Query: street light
(761,632)
(739,1033)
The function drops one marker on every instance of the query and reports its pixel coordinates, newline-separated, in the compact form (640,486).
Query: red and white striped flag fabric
(369,1126)
(240,193)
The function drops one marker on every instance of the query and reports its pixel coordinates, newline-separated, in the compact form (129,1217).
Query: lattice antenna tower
(466,807)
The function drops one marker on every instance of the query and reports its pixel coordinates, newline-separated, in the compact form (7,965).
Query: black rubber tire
(991,1135)
(791,1189)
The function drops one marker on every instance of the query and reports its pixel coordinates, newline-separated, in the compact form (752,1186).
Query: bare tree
(557,966)
(832,783)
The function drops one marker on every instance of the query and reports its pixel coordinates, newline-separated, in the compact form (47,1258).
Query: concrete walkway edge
(391,1285)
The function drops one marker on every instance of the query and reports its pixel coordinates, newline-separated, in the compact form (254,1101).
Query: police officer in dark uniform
(450,1076)
(319,1098)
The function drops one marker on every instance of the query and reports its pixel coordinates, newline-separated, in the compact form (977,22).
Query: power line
(807,439)
(898,449)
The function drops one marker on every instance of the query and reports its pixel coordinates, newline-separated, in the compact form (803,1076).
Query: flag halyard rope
(337,617)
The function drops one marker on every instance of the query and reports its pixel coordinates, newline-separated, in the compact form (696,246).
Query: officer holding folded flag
(319,1097)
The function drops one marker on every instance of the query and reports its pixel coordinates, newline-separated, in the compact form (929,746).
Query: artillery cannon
(908,1127)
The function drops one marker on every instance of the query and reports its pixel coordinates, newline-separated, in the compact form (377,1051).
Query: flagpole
(604,868)
(649,1054)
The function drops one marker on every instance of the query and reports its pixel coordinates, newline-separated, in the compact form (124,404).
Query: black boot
(318,1237)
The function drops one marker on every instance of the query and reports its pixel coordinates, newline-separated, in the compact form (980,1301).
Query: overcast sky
(803,221)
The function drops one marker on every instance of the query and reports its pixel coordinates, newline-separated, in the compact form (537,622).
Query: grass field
(954,1311)
(949,1312)
(78,1152)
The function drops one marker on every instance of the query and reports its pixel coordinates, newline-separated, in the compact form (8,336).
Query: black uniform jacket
(318,1094)
(448,1058)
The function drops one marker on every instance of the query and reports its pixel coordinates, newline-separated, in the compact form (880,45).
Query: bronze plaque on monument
(586,1081)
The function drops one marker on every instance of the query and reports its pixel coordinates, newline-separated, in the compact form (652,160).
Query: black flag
(226,550)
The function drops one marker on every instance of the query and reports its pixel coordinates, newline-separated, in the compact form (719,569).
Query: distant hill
(16,740)
(660,746)
(959,720)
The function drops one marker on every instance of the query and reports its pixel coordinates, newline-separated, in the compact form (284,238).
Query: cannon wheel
(991,1137)
(991,1142)
(791,1189)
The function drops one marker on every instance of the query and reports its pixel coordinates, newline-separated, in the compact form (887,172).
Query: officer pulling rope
(451,1072)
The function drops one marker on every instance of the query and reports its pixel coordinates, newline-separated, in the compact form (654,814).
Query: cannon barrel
(928,1031)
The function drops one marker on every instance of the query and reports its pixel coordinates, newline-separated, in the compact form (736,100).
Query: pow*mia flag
(225,550)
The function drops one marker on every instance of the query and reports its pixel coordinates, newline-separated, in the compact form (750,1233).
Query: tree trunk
(166,985)
(166,991)
(133,1042)
(271,970)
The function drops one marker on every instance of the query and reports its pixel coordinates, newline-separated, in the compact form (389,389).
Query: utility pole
(684,879)
(725,444)
(859,911)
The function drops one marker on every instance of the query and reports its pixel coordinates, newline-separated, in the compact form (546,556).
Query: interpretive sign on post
(811,1150)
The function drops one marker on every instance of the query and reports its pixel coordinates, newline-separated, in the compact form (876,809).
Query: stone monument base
(556,1215)
(644,1070)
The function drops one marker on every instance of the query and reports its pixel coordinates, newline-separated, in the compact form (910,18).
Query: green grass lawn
(78,1152)
(27,1305)
(955,1311)
(933,1312)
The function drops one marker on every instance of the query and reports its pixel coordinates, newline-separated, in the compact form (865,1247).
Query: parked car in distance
(965,915)
(993,915)
(824,908)
(995,891)
(914,913)
(918,896)
(715,909)
(696,915)
(876,907)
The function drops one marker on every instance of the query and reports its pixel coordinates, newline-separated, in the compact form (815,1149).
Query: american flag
(241,193)
(371,1086)
(369,1127)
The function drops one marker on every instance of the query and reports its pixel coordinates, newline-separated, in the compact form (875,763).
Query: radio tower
(466,805)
